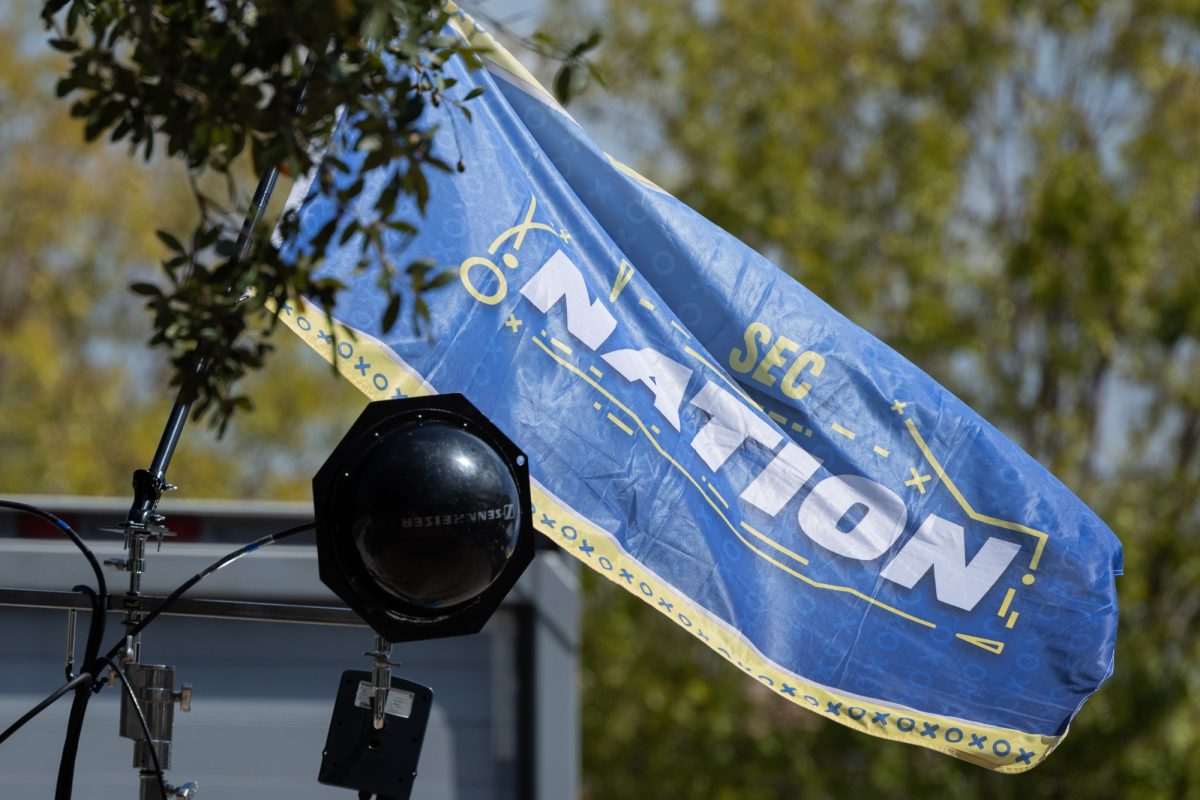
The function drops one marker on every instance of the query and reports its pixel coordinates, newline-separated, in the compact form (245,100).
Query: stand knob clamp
(184,697)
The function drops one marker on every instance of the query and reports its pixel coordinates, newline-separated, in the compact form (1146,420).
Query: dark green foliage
(214,83)
(1008,193)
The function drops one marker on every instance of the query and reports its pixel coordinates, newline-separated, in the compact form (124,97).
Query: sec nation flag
(713,438)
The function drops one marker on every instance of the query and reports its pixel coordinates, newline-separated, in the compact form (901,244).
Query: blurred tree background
(1006,192)
(82,402)
(1009,194)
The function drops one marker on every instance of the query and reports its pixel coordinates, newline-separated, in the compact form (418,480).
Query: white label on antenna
(399,702)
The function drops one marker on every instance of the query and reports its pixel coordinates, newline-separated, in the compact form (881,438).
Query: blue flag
(710,436)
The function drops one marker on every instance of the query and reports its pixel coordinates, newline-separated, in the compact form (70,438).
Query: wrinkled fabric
(712,437)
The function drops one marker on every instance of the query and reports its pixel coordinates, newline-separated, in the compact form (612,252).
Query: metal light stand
(154,684)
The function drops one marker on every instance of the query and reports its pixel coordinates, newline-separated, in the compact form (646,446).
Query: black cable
(81,678)
(95,636)
(162,786)
(225,561)
(101,584)
(66,763)
(82,684)
(99,596)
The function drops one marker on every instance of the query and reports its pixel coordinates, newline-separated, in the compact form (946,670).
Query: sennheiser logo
(505,512)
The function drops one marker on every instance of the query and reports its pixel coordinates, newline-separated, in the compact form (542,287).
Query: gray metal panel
(264,691)
(556,664)
(263,697)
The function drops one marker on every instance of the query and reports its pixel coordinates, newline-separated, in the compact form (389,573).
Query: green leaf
(227,247)
(208,238)
(72,15)
(52,7)
(562,83)
(170,241)
(390,313)
(417,268)
(352,227)
(597,74)
(585,45)
(420,314)
(146,289)
(441,279)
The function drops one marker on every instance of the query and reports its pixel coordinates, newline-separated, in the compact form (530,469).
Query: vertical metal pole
(70,668)
(381,681)
(258,207)
(155,684)
(149,484)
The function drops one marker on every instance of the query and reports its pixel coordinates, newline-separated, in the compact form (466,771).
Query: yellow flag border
(380,374)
